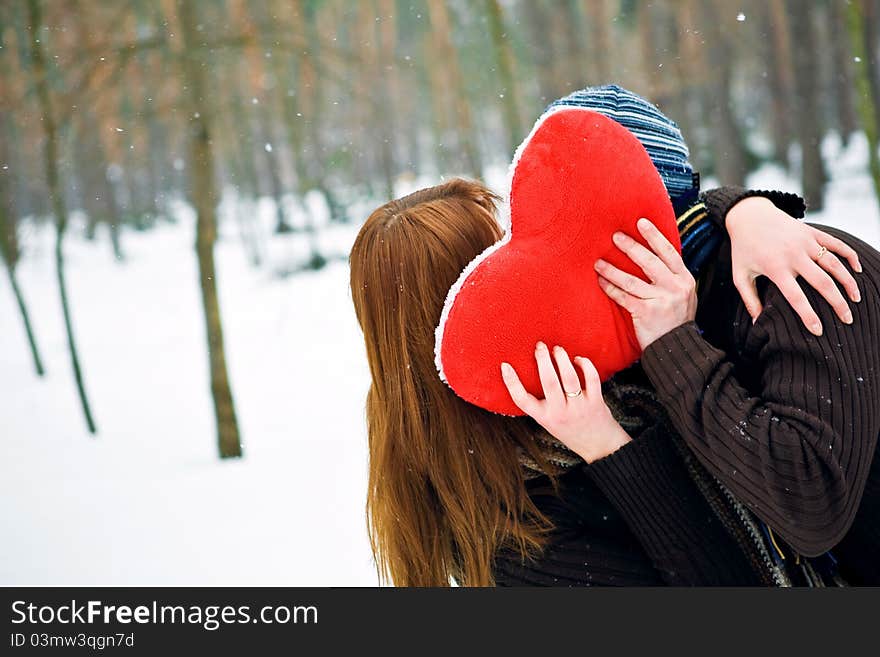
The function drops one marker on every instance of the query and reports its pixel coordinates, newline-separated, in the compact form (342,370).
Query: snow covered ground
(147,501)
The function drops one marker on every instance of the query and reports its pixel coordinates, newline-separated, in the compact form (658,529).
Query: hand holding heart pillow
(576,179)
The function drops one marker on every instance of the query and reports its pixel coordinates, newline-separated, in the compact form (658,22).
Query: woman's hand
(667,301)
(577,417)
(765,241)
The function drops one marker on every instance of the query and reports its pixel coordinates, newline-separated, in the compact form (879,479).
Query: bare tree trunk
(806,108)
(9,252)
(778,58)
(843,83)
(103,116)
(672,94)
(116,218)
(158,147)
(155,190)
(441,31)
(251,62)
(305,131)
(294,121)
(25,318)
(10,249)
(566,23)
(386,115)
(93,170)
(273,167)
(139,160)
(730,154)
(440,122)
(680,82)
(112,176)
(691,68)
(504,61)
(543,50)
(56,191)
(871,21)
(243,177)
(204,197)
(868,100)
(647,19)
(323,21)
(599,14)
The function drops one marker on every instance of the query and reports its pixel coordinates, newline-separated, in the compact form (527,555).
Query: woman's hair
(446,489)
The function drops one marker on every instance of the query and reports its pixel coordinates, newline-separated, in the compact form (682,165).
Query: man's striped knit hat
(662,139)
(659,135)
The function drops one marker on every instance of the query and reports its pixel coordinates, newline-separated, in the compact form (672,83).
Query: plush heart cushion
(576,179)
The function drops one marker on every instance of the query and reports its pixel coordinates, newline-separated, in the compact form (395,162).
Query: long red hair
(446,490)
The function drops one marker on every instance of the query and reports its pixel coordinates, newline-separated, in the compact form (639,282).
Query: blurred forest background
(112,112)
(181,181)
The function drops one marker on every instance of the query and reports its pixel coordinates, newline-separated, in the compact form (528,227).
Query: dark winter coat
(788,422)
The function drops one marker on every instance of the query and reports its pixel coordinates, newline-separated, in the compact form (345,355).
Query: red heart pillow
(576,179)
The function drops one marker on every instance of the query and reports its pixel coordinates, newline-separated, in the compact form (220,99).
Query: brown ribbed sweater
(636,518)
(786,420)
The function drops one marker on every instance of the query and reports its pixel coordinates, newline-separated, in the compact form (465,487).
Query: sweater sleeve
(720,200)
(701,221)
(795,440)
(647,482)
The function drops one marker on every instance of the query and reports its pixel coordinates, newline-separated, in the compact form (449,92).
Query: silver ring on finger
(573,394)
(822,251)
